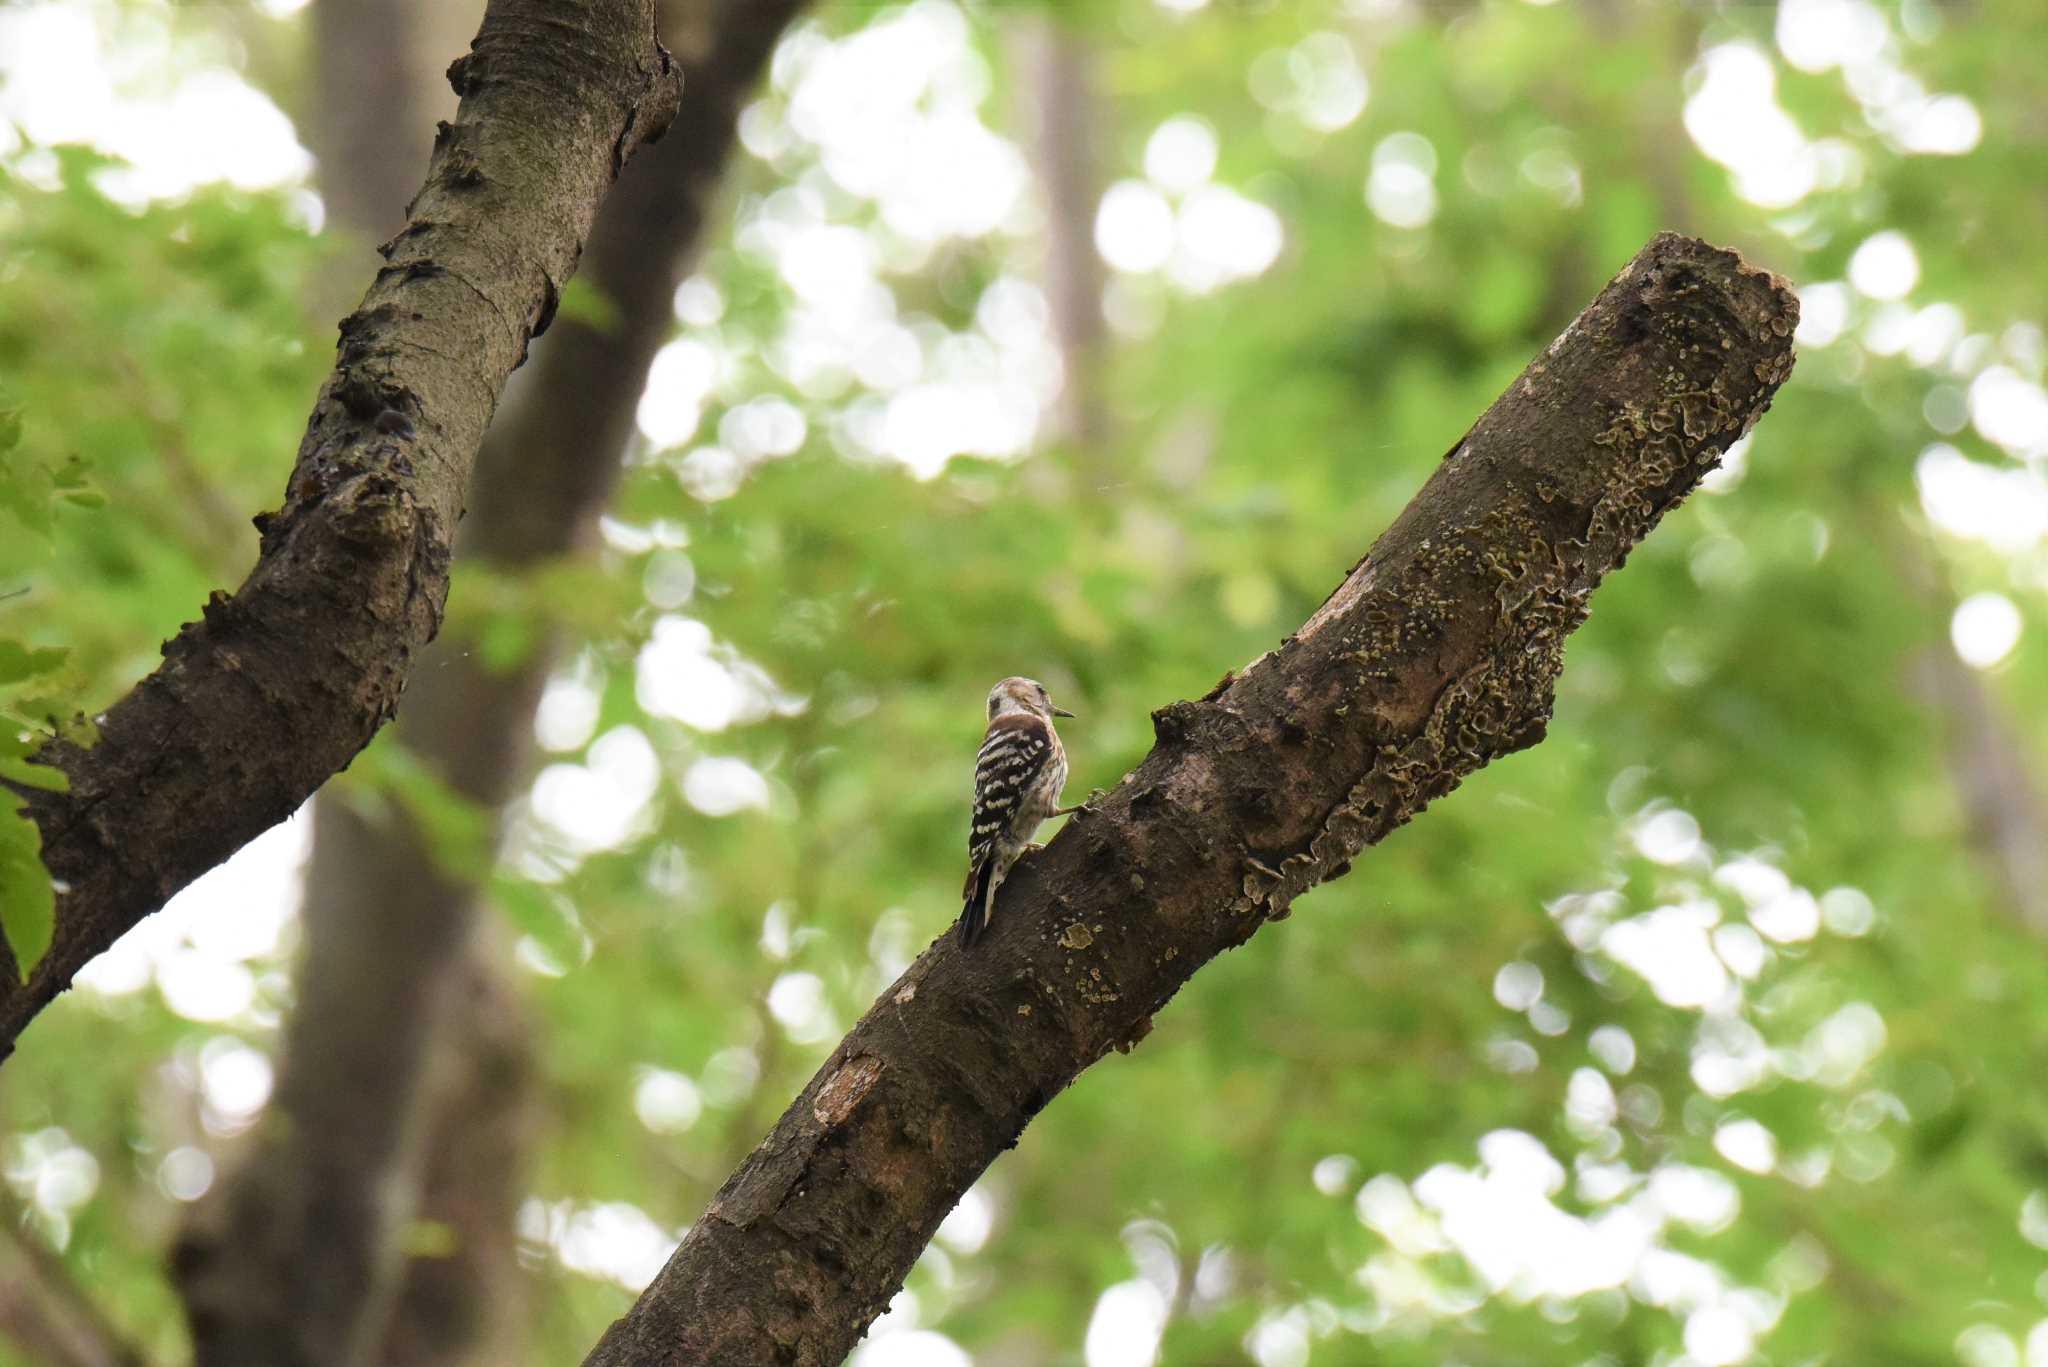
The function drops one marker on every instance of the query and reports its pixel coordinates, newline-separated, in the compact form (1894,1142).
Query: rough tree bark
(280,684)
(1436,654)
(298,1261)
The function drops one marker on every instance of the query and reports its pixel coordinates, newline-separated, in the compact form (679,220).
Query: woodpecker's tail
(981,897)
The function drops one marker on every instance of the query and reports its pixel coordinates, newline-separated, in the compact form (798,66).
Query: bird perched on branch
(1017,780)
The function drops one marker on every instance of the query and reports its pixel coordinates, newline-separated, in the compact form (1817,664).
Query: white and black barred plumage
(1017,780)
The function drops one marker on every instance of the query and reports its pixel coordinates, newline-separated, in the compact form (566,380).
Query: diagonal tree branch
(282,683)
(1436,654)
(296,1263)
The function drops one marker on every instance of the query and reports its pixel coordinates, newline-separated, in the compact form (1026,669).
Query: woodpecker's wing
(1013,761)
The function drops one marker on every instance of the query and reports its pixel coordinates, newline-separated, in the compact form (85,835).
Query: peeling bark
(1436,654)
(406,1084)
(280,684)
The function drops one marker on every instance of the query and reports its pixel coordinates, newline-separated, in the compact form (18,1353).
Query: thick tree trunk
(298,1262)
(283,682)
(1436,654)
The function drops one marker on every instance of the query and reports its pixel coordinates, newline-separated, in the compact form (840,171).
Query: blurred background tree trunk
(2004,812)
(1998,793)
(374,76)
(376,1209)
(1064,121)
(43,1310)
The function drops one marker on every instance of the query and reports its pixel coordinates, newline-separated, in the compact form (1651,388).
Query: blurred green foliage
(27,904)
(1735,888)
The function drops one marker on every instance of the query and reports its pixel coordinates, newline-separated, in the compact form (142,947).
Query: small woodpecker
(1017,780)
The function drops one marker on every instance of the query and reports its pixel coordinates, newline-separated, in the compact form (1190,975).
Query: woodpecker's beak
(1061,712)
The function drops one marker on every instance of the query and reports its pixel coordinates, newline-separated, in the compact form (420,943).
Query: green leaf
(28,904)
(583,302)
(70,484)
(19,496)
(70,477)
(547,916)
(457,834)
(46,715)
(17,742)
(29,488)
(1941,1133)
(16,769)
(430,1239)
(18,662)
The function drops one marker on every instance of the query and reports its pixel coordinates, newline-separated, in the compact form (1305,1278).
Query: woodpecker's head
(1022,695)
